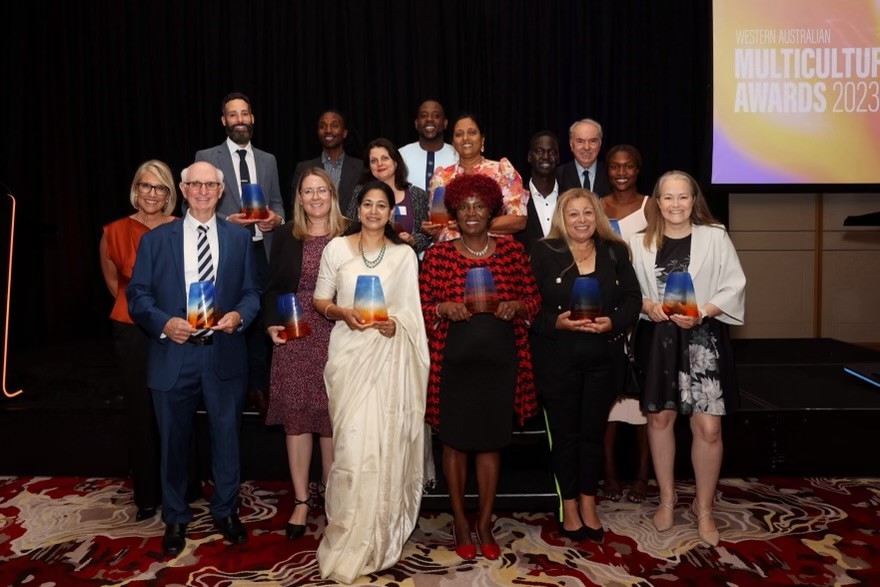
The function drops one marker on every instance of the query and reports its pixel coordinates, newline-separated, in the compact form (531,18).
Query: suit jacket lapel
(233,190)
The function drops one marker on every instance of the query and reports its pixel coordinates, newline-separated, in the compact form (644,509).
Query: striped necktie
(206,262)
(206,273)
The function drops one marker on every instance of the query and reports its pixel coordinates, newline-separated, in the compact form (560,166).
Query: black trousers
(130,344)
(258,344)
(577,401)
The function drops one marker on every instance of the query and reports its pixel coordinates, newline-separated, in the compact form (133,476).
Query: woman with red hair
(481,366)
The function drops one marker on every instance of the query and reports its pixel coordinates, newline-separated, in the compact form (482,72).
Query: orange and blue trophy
(480,295)
(679,297)
(585,299)
(253,202)
(438,213)
(201,307)
(290,311)
(369,299)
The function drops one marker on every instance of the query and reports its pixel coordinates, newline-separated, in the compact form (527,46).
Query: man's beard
(239,136)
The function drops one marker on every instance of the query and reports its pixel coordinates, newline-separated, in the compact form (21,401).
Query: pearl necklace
(375,262)
(479,253)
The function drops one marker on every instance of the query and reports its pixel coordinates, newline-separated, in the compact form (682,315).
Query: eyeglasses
(312,191)
(145,188)
(211,186)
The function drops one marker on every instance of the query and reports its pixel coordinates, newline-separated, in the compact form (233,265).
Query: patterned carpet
(775,531)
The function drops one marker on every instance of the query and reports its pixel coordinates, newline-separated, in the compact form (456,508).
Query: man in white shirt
(429,152)
(543,158)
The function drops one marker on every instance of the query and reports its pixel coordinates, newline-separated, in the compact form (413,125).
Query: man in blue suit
(243,163)
(186,364)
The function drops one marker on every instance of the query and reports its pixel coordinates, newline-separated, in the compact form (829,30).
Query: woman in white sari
(376,378)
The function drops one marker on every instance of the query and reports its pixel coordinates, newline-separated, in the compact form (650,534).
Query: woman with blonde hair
(297,395)
(153,197)
(686,357)
(577,358)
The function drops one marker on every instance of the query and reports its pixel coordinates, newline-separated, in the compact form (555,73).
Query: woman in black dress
(481,372)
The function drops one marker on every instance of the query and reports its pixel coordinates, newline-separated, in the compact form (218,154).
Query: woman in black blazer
(297,396)
(577,361)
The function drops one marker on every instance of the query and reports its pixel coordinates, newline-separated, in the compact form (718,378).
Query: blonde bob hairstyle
(163,172)
(336,224)
(603,231)
(700,213)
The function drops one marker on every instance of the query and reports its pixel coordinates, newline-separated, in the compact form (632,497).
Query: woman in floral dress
(686,357)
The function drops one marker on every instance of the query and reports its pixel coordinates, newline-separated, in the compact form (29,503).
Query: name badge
(401,209)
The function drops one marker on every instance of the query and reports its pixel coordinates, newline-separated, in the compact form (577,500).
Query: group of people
(463,321)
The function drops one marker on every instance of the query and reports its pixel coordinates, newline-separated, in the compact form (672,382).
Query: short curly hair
(464,186)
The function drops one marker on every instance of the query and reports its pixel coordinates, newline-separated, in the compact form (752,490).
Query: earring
(483,148)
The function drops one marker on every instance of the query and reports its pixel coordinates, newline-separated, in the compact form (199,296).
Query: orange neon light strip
(8,296)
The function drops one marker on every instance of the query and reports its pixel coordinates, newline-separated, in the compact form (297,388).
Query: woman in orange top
(153,197)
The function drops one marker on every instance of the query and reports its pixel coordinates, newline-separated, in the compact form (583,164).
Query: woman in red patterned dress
(481,367)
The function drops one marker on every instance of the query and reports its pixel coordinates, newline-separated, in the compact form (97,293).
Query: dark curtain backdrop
(93,88)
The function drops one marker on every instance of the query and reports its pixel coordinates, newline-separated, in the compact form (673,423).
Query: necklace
(479,253)
(587,256)
(371,264)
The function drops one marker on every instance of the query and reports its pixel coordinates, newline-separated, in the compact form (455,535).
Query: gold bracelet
(326,310)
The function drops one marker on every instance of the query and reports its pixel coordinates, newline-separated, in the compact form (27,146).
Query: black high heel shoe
(294,531)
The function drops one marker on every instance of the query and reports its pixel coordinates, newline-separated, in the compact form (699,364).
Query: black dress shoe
(232,529)
(145,513)
(174,538)
(575,535)
(594,534)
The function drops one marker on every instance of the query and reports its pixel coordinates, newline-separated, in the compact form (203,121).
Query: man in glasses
(197,351)
(241,164)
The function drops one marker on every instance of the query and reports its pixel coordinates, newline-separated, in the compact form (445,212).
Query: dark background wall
(93,88)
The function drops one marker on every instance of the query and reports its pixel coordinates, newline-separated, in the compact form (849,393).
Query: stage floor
(801,415)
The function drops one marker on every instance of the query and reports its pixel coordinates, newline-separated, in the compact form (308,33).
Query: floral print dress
(683,368)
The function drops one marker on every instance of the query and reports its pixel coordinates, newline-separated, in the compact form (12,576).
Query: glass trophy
(438,213)
(369,300)
(585,299)
(290,312)
(480,295)
(201,306)
(615,226)
(398,220)
(679,296)
(253,203)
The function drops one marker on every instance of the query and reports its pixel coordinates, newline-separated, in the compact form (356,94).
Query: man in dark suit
(585,140)
(242,163)
(344,170)
(188,365)
(543,158)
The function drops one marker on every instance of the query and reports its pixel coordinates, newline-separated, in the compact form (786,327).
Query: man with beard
(242,163)
(543,158)
(585,140)
(429,152)
(344,170)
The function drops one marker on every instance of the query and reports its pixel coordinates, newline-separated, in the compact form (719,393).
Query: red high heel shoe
(490,551)
(466,551)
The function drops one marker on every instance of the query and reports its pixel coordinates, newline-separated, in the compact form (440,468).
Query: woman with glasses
(297,395)
(153,198)
(385,163)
